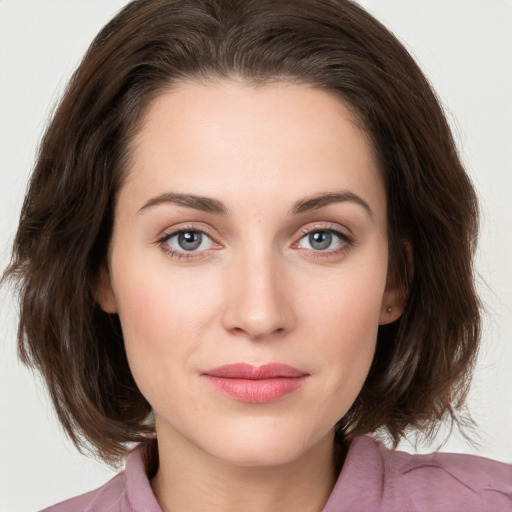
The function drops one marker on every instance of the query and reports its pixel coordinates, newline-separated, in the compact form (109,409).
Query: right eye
(189,241)
(184,241)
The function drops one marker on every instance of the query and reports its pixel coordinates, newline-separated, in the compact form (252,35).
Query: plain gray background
(465,48)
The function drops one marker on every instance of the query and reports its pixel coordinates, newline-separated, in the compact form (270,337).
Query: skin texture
(255,291)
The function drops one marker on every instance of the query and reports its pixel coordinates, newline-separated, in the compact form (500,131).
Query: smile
(255,384)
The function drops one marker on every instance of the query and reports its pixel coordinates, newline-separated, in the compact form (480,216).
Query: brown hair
(423,362)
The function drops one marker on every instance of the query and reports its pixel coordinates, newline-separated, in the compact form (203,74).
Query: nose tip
(256,331)
(258,306)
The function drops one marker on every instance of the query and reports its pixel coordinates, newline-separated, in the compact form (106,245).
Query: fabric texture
(373,479)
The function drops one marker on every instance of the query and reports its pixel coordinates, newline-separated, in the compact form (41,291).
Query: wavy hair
(423,362)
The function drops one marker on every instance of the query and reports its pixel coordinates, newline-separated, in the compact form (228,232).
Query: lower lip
(256,391)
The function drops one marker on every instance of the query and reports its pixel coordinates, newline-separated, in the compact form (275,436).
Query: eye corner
(329,235)
(177,244)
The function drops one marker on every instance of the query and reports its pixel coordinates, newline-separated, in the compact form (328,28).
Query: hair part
(423,362)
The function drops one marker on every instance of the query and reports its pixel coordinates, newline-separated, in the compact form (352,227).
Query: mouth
(255,384)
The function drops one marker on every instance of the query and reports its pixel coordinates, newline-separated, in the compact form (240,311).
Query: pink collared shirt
(373,479)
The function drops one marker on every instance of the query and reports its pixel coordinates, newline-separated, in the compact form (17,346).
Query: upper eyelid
(326,226)
(169,232)
(163,240)
(337,232)
(347,239)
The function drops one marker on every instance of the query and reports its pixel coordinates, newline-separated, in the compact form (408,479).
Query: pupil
(320,240)
(189,240)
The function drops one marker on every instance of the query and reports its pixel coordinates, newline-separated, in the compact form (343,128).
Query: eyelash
(346,242)
(163,243)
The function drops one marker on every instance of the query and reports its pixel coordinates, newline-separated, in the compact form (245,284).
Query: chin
(257,446)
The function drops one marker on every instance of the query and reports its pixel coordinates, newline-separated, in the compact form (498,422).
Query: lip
(255,384)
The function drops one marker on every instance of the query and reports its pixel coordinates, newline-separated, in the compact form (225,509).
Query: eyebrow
(210,205)
(205,204)
(322,200)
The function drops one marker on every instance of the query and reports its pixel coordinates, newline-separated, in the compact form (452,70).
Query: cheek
(158,333)
(348,300)
(156,301)
(344,319)
(163,313)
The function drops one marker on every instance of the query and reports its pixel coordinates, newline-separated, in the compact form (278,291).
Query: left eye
(189,241)
(322,240)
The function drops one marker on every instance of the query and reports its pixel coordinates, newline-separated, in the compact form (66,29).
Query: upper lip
(255,372)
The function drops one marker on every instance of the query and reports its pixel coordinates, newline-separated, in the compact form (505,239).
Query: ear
(393,302)
(396,292)
(103,292)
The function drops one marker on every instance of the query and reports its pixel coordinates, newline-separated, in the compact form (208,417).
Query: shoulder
(451,481)
(394,480)
(129,491)
(112,495)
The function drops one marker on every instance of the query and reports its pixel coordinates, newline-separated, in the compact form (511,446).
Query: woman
(261,207)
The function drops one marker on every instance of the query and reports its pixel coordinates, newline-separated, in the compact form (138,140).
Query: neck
(189,480)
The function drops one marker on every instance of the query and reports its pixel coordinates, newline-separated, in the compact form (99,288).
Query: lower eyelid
(182,254)
(345,242)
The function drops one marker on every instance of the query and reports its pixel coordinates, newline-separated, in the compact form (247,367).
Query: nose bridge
(258,304)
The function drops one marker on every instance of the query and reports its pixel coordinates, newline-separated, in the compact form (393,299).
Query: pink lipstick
(255,384)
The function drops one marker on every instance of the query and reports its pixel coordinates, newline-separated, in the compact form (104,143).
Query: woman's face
(248,266)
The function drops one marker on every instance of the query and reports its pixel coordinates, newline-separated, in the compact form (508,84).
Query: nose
(259,302)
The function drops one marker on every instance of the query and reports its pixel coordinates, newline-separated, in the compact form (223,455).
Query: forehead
(274,142)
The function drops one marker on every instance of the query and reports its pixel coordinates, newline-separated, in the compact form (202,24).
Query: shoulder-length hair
(423,362)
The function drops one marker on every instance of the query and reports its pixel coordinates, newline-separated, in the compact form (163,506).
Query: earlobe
(103,292)
(390,313)
(396,292)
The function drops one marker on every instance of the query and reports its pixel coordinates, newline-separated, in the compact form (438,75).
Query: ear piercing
(388,309)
